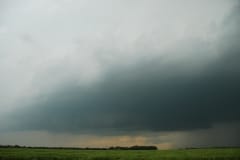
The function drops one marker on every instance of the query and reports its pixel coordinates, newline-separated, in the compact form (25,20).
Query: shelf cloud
(120,68)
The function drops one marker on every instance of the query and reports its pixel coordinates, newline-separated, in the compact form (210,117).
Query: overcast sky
(123,72)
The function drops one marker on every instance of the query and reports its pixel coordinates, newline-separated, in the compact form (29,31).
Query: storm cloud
(120,68)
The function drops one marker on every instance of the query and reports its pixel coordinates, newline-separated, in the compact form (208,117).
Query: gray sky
(120,72)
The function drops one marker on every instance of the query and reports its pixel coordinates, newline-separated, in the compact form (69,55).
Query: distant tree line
(86,148)
(134,148)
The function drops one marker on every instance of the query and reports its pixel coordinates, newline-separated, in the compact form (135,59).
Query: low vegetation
(74,154)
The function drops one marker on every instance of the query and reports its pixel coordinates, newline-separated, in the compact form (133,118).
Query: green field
(57,154)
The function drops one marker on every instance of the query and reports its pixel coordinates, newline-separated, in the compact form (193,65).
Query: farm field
(62,154)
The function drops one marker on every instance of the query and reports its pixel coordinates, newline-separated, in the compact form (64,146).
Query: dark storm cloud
(152,95)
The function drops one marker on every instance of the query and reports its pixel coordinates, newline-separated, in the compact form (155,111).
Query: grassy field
(60,154)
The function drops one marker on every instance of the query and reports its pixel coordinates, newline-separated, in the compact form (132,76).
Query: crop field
(62,154)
